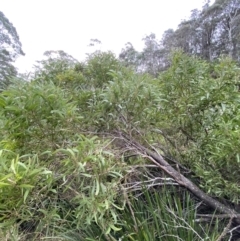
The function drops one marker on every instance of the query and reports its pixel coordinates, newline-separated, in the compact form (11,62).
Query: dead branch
(225,231)
(158,159)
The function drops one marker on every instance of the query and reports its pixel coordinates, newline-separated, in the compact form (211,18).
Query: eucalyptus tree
(208,33)
(130,56)
(151,55)
(193,36)
(54,62)
(10,49)
(150,60)
(228,25)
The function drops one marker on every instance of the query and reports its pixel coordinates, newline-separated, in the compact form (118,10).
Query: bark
(183,181)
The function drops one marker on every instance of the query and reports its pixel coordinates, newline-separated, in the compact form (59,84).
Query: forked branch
(158,159)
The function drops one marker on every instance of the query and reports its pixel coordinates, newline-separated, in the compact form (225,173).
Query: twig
(231,231)
(225,230)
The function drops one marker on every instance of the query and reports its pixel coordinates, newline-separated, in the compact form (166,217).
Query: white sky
(70,24)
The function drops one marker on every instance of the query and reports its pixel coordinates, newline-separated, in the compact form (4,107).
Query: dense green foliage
(202,102)
(60,181)
(70,163)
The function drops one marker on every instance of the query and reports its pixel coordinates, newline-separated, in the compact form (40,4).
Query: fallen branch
(212,216)
(158,159)
(225,231)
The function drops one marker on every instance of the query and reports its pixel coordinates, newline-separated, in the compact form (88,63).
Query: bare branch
(158,159)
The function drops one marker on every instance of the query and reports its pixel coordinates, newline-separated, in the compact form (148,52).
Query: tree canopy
(208,33)
(10,49)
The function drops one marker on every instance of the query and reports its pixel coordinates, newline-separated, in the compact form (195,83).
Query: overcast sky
(70,24)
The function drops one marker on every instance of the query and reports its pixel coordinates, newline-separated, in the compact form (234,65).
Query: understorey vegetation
(119,149)
(100,152)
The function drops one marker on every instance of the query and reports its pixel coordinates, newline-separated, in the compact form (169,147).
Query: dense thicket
(98,150)
(69,151)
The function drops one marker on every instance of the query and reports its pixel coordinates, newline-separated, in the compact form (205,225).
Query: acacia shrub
(130,101)
(36,117)
(202,112)
(98,66)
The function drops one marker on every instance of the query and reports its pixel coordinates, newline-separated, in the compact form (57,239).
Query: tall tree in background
(54,62)
(151,55)
(211,32)
(193,36)
(228,25)
(130,56)
(208,33)
(10,49)
(151,59)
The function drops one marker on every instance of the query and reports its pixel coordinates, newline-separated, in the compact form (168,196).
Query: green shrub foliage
(36,117)
(203,109)
(64,173)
